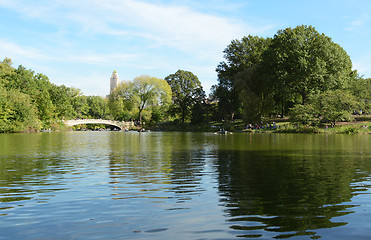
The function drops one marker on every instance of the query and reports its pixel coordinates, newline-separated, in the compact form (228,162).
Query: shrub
(300,129)
(303,114)
(348,130)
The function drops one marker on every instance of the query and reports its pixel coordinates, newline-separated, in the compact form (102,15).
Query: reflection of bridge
(118,124)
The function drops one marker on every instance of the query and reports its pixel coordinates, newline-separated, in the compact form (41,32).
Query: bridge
(118,124)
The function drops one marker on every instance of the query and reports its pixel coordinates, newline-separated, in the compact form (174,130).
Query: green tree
(304,114)
(29,101)
(98,107)
(150,91)
(22,80)
(186,92)
(239,56)
(45,107)
(61,98)
(80,106)
(6,111)
(254,94)
(198,113)
(122,102)
(334,105)
(19,114)
(360,88)
(6,71)
(302,61)
(41,98)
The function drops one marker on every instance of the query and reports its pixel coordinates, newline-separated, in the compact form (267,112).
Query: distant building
(114,81)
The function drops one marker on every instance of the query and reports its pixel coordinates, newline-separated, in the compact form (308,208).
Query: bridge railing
(121,125)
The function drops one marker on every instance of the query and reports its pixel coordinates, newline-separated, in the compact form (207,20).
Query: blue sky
(80,43)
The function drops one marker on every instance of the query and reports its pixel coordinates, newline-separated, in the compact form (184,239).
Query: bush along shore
(360,125)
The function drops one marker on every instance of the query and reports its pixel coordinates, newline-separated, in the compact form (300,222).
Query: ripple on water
(195,186)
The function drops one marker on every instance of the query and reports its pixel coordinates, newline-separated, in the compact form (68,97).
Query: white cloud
(178,26)
(10,49)
(125,33)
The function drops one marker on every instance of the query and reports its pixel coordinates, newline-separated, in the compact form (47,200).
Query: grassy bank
(361,125)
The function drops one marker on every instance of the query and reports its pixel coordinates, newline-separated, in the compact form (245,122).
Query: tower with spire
(114,81)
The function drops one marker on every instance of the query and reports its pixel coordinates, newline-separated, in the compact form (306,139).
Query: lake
(159,185)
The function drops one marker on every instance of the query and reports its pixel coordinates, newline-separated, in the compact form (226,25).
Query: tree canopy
(150,91)
(267,77)
(298,72)
(143,93)
(239,56)
(302,61)
(186,92)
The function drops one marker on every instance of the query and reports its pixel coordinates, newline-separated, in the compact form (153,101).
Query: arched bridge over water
(118,124)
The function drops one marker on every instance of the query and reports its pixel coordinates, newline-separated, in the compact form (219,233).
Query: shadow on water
(290,191)
(271,186)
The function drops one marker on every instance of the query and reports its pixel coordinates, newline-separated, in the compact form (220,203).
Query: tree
(80,106)
(304,114)
(302,61)
(199,112)
(150,91)
(17,112)
(28,101)
(254,94)
(334,105)
(45,107)
(239,56)
(61,98)
(186,91)
(6,71)
(360,88)
(97,106)
(6,111)
(41,98)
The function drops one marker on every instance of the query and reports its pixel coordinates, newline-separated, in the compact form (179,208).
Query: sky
(80,43)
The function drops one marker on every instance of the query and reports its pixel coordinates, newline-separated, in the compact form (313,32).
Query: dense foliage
(187,93)
(144,97)
(30,102)
(240,56)
(299,72)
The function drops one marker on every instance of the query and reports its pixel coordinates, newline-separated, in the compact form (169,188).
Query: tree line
(298,73)
(30,102)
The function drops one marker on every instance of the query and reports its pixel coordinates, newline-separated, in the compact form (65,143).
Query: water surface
(129,185)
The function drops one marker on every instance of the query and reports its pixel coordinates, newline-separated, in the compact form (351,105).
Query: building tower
(114,81)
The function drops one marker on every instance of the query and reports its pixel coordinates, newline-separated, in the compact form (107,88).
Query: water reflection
(291,191)
(156,164)
(33,167)
(202,186)
(22,160)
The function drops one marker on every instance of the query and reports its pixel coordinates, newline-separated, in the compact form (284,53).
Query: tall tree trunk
(140,116)
(232,115)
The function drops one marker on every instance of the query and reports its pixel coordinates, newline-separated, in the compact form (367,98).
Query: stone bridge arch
(118,124)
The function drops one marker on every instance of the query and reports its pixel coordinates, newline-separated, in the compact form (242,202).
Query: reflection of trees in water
(27,163)
(291,193)
(154,164)
(186,173)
